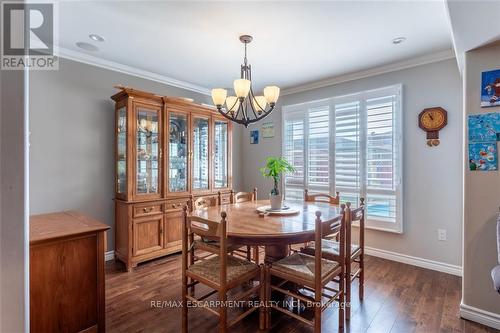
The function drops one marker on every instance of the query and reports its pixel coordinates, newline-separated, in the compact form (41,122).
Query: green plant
(275,166)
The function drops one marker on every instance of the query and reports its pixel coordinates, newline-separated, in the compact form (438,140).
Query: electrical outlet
(442,234)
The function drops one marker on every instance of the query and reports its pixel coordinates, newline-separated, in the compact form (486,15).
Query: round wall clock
(432,120)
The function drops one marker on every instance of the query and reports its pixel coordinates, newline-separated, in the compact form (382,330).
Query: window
(350,144)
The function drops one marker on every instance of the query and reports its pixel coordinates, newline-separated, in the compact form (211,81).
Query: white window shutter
(318,152)
(347,151)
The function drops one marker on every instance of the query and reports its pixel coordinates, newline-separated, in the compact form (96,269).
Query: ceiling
(294,42)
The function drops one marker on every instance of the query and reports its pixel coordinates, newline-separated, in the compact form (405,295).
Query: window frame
(301,111)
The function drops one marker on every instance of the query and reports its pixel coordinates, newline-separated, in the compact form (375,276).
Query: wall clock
(432,120)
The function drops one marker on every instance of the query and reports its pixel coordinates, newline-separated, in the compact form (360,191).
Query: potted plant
(275,167)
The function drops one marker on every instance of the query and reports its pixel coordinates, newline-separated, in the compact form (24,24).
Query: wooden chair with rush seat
(311,273)
(211,246)
(321,197)
(221,273)
(354,253)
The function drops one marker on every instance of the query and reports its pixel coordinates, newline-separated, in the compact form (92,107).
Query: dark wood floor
(398,298)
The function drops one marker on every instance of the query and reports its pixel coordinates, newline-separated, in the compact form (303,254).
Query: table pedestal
(275,253)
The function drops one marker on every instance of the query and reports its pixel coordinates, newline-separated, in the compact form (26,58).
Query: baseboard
(487,318)
(110,255)
(415,261)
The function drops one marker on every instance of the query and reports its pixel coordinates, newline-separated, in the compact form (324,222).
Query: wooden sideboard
(167,150)
(67,273)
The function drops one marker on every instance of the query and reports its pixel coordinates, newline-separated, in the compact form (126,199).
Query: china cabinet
(167,149)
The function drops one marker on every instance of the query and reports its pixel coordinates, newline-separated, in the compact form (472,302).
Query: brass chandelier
(245,108)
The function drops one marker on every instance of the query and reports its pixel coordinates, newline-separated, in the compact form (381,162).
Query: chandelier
(245,108)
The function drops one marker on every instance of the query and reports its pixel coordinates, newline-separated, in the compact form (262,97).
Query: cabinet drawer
(147,209)
(177,204)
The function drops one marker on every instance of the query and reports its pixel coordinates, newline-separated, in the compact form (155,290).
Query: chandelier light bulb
(242,87)
(259,103)
(271,93)
(219,96)
(232,104)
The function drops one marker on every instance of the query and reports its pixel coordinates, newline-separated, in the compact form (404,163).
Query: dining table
(247,225)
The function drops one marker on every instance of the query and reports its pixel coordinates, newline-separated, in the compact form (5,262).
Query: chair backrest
(194,225)
(202,202)
(243,196)
(323,230)
(354,215)
(322,197)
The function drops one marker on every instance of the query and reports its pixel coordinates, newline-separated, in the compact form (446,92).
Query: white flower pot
(276,201)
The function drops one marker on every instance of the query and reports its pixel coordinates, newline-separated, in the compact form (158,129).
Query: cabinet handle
(147,209)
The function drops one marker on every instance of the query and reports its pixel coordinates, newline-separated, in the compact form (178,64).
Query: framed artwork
(483,156)
(490,88)
(484,127)
(268,130)
(254,137)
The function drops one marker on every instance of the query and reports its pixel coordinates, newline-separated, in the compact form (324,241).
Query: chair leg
(222,312)
(317,318)
(184,304)
(348,290)
(262,310)
(249,254)
(341,301)
(256,254)
(361,276)
(268,297)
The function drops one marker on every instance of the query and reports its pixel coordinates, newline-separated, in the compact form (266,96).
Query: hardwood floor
(398,298)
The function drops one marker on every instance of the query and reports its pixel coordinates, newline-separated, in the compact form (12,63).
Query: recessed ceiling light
(398,40)
(87,46)
(96,37)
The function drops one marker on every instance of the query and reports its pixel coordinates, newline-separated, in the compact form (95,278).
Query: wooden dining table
(246,226)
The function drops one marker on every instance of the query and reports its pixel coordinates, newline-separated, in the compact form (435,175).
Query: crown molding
(423,60)
(125,69)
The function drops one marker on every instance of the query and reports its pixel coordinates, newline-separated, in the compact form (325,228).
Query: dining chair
(221,273)
(322,197)
(245,197)
(311,273)
(210,246)
(354,253)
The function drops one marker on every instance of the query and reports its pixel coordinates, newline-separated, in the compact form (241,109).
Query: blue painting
(483,156)
(484,127)
(254,137)
(490,88)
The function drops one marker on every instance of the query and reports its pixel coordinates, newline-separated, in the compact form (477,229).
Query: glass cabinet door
(121,151)
(178,153)
(200,153)
(148,150)
(220,154)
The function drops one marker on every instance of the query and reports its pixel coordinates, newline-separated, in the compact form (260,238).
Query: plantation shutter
(293,151)
(382,157)
(350,144)
(347,151)
(318,164)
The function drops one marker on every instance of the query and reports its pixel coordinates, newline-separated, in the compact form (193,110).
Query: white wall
(432,176)
(481,200)
(14,304)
